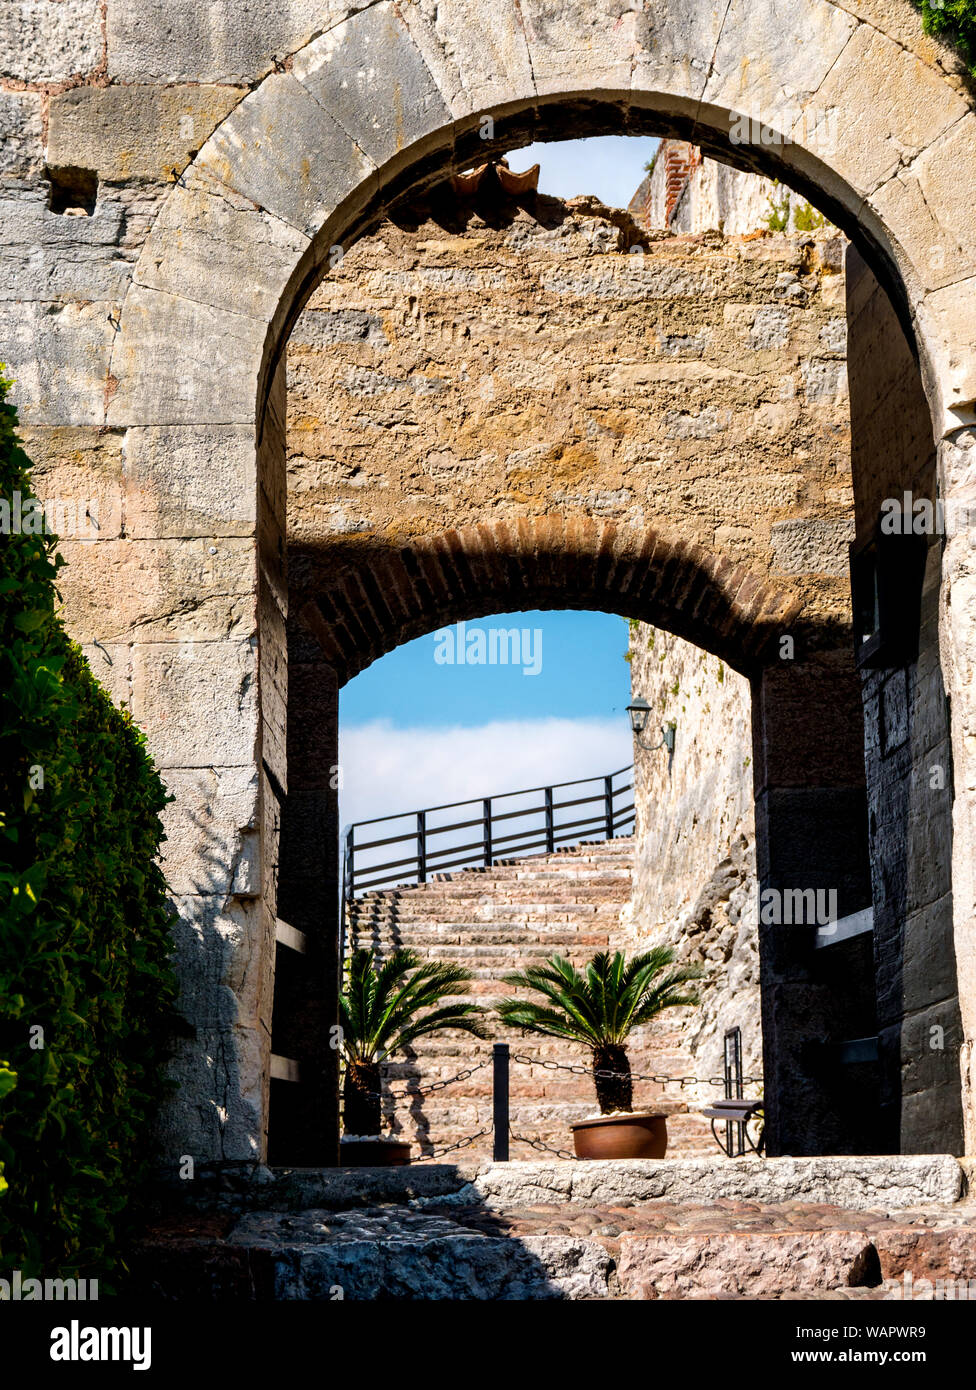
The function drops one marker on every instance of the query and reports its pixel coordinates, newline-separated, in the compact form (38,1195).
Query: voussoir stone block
(476,51)
(674,47)
(771,57)
(370,76)
(300,177)
(216,248)
(576,48)
(901,106)
(924,207)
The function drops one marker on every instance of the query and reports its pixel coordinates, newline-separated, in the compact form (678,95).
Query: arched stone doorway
(306,162)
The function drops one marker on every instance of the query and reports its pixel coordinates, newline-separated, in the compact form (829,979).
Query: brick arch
(389,596)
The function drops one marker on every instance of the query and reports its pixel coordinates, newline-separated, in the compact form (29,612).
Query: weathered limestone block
(248,154)
(160,590)
(811,547)
(135,132)
(860,1183)
(476,52)
(903,106)
(48,256)
(78,474)
(21,147)
(227,252)
(179,362)
(188,481)
(939,246)
(181,40)
(110,665)
(798,44)
(403,1254)
(58,355)
(215,1114)
(50,40)
(197,701)
(367,68)
(947,320)
(581,51)
(674,49)
(212,839)
(743,1264)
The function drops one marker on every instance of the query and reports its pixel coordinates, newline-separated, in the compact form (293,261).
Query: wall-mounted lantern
(639,711)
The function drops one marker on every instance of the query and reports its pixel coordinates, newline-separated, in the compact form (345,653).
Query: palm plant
(378,1012)
(600,1007)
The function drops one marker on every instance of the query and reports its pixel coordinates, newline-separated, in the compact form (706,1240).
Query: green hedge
(84,928)
(955,20)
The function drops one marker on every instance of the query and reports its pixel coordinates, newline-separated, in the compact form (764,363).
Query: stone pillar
(957,640)
(811,833)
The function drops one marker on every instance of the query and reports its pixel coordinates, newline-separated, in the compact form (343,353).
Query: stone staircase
(849,1228)
(493,921)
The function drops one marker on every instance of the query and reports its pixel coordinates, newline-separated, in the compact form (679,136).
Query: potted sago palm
(385,1006)
(599,1007)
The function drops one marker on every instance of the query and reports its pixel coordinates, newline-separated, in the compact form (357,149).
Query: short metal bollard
(499,1105)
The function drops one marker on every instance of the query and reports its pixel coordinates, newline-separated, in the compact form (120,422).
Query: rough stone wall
(695,878)
(695,885)
(489,361)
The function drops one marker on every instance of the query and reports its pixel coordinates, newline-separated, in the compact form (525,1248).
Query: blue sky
(415,733)
(609,166)
(582,673)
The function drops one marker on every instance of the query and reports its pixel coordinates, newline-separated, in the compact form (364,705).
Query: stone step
(829,1228)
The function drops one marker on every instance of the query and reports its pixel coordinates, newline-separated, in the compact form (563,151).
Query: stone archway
(305,162)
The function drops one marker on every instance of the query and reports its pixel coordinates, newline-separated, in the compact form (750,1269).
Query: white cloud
(386,770)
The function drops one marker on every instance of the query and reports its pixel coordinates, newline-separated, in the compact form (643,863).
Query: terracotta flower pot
(638,1135)
(373,1153)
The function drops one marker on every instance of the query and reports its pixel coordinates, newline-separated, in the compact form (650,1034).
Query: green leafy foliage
(381,1008)
(599,1007)
(954,20)
(603,1004)
(86,987)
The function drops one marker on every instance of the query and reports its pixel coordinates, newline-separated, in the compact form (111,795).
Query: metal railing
(430,855)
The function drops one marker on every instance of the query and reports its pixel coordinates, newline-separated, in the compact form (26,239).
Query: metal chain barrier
(683,1081)
(438,1085)
(461,1144)
(576,1069)
(427,1090)
(540,1145)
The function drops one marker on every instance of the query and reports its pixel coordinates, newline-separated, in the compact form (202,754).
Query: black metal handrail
(425,858)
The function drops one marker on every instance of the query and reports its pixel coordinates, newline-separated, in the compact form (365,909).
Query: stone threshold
(895,1182)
